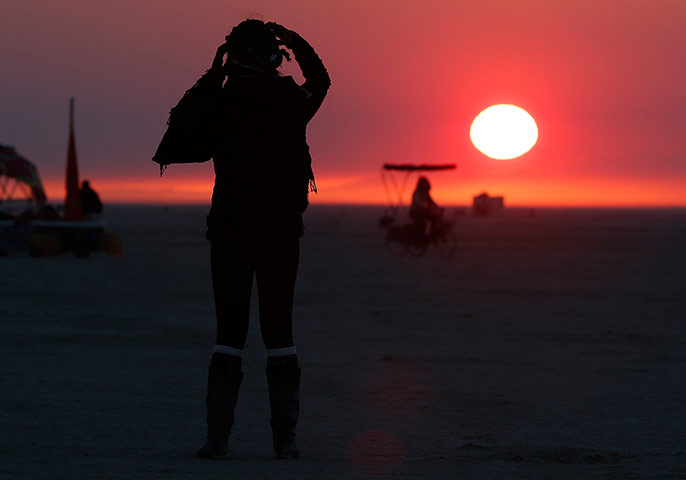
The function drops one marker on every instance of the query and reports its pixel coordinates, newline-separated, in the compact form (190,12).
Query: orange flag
(72,204)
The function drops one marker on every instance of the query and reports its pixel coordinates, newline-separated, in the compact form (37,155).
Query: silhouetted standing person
(90,201)
(263,176)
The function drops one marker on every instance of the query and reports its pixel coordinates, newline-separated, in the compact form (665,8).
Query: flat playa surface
(549,346)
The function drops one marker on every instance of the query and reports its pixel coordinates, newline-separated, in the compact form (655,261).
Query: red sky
(605,81)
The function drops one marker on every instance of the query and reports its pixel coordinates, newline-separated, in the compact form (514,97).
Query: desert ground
(552,345)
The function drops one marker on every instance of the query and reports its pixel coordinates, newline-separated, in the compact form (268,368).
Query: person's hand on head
(222,50)
(284,35)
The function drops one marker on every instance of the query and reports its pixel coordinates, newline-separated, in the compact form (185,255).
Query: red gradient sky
(605,81)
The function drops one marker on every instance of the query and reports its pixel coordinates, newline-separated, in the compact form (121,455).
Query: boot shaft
(283,380)
(224,379)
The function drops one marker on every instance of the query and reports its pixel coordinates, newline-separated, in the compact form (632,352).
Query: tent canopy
(18,172)
(409,167)
(395,189)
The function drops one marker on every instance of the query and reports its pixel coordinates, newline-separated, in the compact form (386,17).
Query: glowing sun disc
(504,132)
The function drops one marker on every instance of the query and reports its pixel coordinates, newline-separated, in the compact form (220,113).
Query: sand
(549,346)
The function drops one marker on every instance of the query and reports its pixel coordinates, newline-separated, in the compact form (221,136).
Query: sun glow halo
(504,132)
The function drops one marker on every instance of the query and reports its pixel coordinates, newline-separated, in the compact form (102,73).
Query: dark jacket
(261,157)
(90,201)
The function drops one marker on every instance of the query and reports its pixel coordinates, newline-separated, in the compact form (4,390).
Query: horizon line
(445,205)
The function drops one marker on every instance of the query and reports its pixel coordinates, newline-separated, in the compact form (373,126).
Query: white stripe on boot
(226,350)
(281,352)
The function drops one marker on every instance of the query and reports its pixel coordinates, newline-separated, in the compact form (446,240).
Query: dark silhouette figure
(263,176)
(90,201)
(424,210)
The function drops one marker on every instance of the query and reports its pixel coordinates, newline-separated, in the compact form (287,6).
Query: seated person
(90,202)
(423,209)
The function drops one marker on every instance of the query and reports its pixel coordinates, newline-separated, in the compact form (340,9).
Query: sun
(504,132)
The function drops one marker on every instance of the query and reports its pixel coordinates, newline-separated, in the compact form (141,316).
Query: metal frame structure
(17,174)
(399,189)
(8,187)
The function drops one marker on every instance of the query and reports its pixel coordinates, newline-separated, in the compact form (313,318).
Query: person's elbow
(323,85)
(318,87)
(321,76)
(326,81)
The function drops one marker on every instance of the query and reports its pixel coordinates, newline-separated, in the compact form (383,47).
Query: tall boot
(223,381)
(283,380)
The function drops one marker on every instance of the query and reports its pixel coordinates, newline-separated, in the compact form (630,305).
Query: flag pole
(72,203)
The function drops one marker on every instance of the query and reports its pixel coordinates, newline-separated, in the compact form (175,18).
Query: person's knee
(275,338)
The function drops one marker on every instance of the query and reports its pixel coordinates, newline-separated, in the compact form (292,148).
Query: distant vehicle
(412,237)
(485,205)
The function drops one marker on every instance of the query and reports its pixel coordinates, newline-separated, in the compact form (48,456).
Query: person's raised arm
(214,76)
(317,79)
